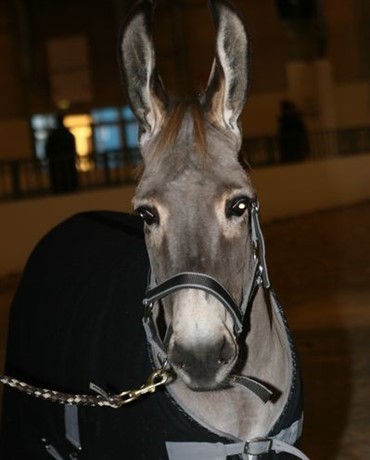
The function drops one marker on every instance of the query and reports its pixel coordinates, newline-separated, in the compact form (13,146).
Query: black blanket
(76,318)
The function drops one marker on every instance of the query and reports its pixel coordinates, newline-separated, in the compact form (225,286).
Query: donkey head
(194,195)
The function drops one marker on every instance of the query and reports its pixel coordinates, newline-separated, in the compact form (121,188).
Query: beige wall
(261,113)
(343,46)
(10,88)
(284,191)
(291,190)
(352,104)
(351,108)
(23,223)
(15,139)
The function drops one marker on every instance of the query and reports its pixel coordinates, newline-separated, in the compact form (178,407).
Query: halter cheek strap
(259,270)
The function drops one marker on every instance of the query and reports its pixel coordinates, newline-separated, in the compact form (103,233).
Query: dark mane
(167,137)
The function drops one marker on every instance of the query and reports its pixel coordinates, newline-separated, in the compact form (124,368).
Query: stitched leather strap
(200,281)
(258,388)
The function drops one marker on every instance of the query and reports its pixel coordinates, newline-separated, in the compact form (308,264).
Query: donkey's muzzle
(203,367)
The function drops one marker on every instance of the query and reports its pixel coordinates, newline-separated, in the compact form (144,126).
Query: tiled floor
(320,267)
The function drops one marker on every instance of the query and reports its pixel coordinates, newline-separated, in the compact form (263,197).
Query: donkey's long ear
(226,91)
(146,94)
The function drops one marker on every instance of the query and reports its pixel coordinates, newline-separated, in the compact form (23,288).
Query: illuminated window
(80,127)
(131,127)
(114,129)
(41,125)
(105,130)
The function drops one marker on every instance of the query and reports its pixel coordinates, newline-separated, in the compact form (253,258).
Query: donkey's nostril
(227,353)
(176,356)
(203,366)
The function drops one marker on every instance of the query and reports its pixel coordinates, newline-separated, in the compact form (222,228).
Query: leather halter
(192,280)
(201,281)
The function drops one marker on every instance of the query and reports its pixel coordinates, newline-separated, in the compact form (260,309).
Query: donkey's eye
(149,215)
(237,206)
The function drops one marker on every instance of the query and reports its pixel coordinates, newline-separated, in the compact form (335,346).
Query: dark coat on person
(60,150)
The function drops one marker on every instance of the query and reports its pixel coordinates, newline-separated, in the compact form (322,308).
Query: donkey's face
(194,195)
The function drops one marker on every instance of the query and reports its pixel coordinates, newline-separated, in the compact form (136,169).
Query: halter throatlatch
(201,281)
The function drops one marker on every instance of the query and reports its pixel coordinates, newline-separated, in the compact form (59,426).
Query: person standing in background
(60,150)
(292,134)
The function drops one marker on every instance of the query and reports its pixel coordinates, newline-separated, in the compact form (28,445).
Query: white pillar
(324,93)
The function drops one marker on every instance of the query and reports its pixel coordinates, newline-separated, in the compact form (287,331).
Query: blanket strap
(250,450)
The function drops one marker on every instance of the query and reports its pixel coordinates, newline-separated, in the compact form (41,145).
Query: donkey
(196,201)
(211,320)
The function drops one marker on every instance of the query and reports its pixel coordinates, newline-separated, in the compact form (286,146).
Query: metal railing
(265,151)
(27,178)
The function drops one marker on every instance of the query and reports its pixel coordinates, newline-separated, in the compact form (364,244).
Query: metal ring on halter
(148,307)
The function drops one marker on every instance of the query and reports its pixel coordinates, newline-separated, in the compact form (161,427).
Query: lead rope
(157,378)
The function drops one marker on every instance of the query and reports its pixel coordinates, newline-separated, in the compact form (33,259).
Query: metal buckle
(258,446)
(256,205)
(148,307)
(259,279)
(156,379)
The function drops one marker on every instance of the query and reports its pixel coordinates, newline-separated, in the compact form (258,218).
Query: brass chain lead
(157,378)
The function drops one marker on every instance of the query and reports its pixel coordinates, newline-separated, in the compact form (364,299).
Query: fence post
(15,175)
(270,148)
(106,168)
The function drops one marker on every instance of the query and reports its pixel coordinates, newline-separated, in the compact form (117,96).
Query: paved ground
(320,267)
